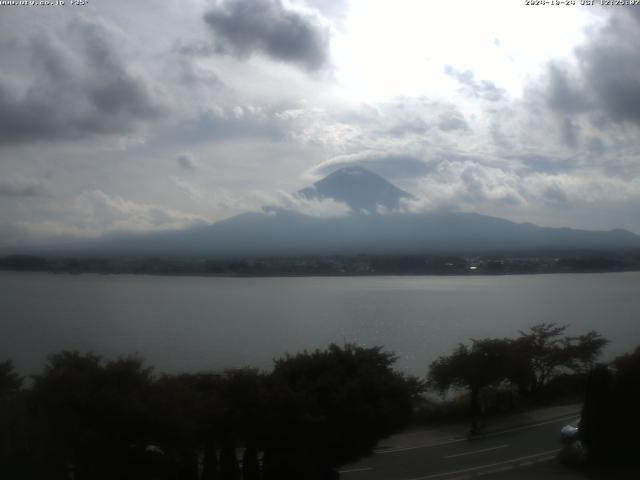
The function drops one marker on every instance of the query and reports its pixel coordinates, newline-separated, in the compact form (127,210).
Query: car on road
(570,433)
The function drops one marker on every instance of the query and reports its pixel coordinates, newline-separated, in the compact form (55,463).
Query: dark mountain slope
(280,232)
(359,188)
(284,233)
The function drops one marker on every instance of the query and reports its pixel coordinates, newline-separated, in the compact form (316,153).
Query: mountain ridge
(281,232)
(288,233)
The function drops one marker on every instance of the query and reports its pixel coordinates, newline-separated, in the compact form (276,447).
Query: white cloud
(389,164)
(99,212)
(262,201)
(94,213)
(323,208)
(141,105)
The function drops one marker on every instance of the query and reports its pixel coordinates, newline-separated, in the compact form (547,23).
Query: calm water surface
(193,323)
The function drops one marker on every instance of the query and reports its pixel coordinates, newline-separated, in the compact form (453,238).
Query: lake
(211,323)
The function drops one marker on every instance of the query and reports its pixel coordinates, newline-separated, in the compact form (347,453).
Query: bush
(116,419)
(611,414)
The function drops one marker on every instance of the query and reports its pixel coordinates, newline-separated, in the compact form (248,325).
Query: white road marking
(417,447)
(497,470)
(476,451)
(420,432)
(490,465)
(544,459)
(353,470)
(533,425)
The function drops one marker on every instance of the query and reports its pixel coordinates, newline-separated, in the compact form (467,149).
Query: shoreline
(316,275)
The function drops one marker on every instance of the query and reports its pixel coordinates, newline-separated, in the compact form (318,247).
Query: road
(509,453)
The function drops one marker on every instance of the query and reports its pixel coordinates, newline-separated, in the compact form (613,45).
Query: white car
(570,433)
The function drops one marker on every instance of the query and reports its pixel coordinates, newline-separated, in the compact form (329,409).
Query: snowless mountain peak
(361,189)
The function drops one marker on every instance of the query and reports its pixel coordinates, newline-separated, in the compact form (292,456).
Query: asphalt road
(511,453)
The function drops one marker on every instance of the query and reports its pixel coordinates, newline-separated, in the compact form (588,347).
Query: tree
(474,367)
(229,467)
(543,352)
(210,461)
(244,399)
(63,396)
(250,464)
(91,412)
(611,417)
(185,415)
(10,380)
(12,425)
(595,427)
(330,407)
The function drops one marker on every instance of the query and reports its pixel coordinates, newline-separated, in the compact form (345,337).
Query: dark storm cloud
(614,75)
(606,81)
(75,87)
(247,27)
(483,89)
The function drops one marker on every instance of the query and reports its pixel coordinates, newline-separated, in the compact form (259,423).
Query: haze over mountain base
(376,225)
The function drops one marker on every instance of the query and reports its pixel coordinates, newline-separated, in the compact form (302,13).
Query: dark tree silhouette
(10,381)
(229,467)
(482,364)
(543,353)
(250,464)
(334,405)
(594,422)
(99,419)
(210,462)
(611,415)
(12,420)
(91,412)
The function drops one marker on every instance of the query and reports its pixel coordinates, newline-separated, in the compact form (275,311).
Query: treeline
(527,367)
(84,417)
(504,264)
(545,363)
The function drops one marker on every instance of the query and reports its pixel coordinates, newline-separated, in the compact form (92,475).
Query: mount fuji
(376,225)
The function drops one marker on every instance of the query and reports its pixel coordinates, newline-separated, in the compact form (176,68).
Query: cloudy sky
(122,115)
